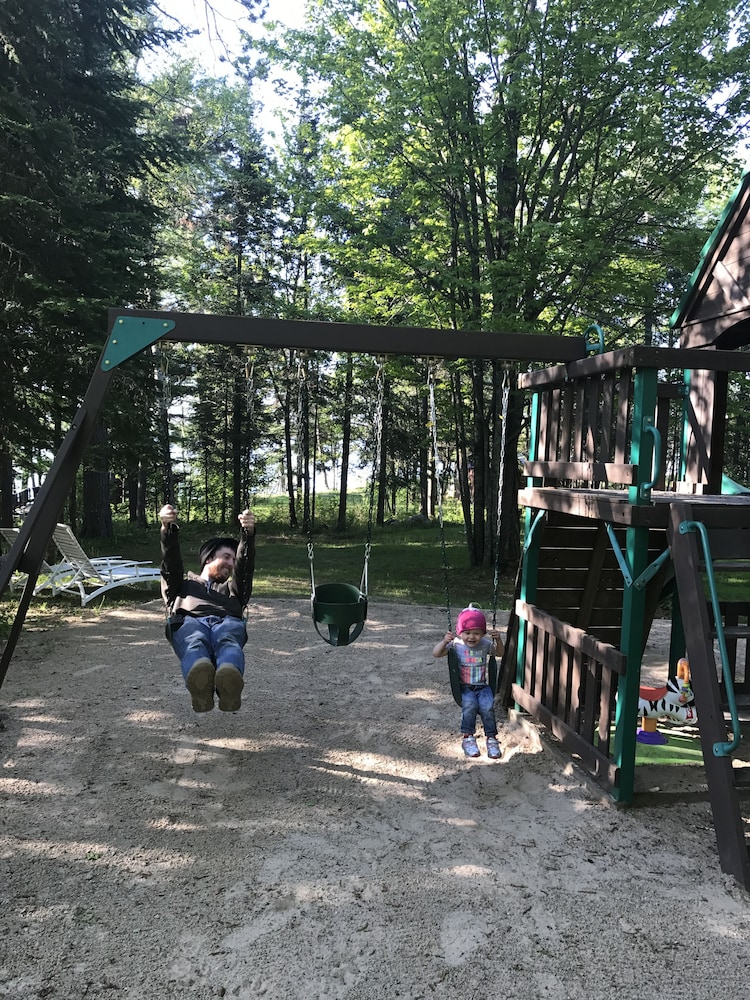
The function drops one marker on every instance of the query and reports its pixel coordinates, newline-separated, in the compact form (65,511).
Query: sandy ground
(329,840)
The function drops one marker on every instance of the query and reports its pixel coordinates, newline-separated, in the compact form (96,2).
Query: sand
(329,840)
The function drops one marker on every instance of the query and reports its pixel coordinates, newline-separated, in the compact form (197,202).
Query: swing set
(342,608)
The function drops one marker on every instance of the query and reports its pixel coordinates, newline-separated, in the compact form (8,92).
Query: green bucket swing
(454,672)
(339,610)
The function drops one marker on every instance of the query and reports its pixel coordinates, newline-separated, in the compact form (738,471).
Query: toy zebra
(675,701)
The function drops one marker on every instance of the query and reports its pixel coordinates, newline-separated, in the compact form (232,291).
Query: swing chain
(250,407)
(500,490)
(250,382)
(165,380)
(438,486)
(311,557)
(166,388)
(376,466)
(302,432)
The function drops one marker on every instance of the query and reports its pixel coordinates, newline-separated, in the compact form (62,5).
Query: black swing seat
(343,608)
(454,673)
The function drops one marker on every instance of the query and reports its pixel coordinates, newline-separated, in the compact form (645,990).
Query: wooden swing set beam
(133,330)
(359,338)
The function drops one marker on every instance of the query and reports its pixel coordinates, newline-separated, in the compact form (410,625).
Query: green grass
(731,587)
(405,565)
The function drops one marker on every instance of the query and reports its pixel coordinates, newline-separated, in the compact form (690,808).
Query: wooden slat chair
(47,573)
(92,577)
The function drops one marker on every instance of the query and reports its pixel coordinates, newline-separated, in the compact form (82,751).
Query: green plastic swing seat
(343,608)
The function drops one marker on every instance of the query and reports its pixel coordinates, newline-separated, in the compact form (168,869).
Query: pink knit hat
(470,618)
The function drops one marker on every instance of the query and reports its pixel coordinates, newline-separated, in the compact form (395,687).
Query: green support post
(632,638)
(530,556)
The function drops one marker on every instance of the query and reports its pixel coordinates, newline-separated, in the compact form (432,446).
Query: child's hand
(496,636)
(441,649)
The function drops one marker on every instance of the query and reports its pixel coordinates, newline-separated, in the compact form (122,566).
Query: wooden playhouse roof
(715,309)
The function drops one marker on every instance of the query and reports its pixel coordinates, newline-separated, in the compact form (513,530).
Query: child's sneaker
(229,685)
(200,684)
(493,748)
(469,745)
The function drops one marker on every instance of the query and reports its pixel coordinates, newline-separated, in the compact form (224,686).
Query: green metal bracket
(541,516)
(130,334)
(649,572)
(645,488)
(720,749)
(619,556)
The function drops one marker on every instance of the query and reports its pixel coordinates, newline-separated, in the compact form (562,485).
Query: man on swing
(206,627)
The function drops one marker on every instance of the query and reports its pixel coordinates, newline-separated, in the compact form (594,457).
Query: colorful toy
(674,701)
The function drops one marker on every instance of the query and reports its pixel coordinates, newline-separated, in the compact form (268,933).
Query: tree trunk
(141,512)
(97,512)
(6,487)
(131,491)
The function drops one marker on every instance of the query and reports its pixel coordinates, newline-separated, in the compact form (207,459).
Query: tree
(504,165)
(76,236)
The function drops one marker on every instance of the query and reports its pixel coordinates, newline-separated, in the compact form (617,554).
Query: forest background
(494,165)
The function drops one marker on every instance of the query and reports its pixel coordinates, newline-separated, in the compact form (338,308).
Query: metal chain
(376,467)
(250,407)
(301,436)
(438,487)
(167,402)
(165,382)
(500,490)
(250,381)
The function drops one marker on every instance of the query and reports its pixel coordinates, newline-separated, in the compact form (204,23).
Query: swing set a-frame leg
(34,536)
(129,335)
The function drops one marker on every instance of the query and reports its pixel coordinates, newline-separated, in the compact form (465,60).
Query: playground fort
(611,531)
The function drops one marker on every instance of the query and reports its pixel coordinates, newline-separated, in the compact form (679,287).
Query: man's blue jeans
(217,639)
(481,701)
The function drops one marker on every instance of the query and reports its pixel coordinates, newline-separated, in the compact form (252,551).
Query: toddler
(473,645)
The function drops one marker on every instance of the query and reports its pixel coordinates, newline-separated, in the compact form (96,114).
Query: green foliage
(507,166)
(76,234)
(216,242)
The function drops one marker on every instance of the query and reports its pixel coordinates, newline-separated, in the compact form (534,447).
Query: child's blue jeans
(217,639)
(478,700)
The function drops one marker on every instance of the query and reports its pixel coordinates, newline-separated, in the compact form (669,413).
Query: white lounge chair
(46,575)
(91,577)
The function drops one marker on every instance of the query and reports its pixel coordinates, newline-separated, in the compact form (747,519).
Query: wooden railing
(590,415)
(570,686)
